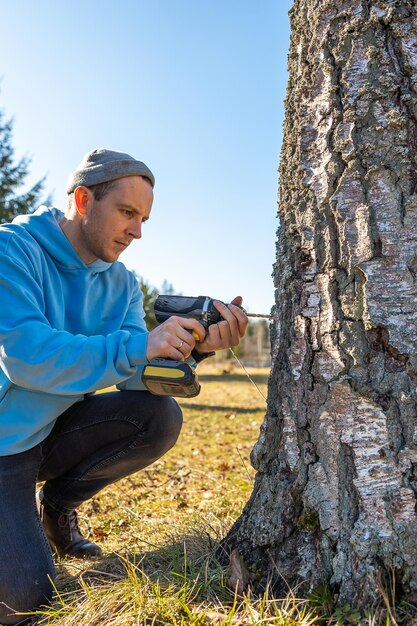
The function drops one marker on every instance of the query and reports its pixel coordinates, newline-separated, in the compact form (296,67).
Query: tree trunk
(335,493)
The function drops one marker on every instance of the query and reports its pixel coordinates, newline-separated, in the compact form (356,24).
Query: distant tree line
(150,294)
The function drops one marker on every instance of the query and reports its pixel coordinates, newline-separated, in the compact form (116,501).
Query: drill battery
(166,377)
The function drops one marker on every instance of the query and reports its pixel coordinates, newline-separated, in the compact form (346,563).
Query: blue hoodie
(66,328)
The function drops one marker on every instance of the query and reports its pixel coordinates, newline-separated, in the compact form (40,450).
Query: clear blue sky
(194,88)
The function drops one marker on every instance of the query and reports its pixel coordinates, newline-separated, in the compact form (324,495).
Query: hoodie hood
(43,226)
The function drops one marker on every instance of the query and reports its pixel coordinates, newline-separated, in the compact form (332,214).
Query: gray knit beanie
(102,166)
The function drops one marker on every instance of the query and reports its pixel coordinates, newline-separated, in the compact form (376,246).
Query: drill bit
(269,317)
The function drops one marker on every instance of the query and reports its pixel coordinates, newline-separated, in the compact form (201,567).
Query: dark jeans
(94,443)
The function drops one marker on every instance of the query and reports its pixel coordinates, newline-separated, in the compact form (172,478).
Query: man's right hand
(173,339)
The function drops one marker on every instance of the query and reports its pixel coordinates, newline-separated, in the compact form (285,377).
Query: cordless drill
(167,377)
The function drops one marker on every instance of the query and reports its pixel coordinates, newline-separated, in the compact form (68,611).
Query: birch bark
(335,493)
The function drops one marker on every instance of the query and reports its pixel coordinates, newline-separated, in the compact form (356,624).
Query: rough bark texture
(335,494)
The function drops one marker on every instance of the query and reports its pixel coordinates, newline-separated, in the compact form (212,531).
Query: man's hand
(173,339)
(228,332)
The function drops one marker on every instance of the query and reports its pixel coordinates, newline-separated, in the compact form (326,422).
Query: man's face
(110,225)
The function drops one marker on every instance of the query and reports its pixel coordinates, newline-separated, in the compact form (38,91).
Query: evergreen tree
(167,289)
(12,177)
(150,295)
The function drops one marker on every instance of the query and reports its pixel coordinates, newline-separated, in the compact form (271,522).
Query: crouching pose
(72,322)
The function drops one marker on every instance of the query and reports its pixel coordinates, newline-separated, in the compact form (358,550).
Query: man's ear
(82,198)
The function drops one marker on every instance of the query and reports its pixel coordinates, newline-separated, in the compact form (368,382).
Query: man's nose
(135,230)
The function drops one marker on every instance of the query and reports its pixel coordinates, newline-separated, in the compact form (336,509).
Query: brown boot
(64,535)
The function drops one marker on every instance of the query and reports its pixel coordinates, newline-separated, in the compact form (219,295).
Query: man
(72,322)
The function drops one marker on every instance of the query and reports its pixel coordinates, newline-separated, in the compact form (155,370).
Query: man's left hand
(229,331)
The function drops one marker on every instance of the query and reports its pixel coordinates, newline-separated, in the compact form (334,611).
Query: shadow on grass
(238,378)
(220,407)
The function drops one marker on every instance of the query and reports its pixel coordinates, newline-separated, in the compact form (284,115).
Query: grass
(159,528)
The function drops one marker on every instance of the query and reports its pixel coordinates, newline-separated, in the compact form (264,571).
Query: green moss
(309,520)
